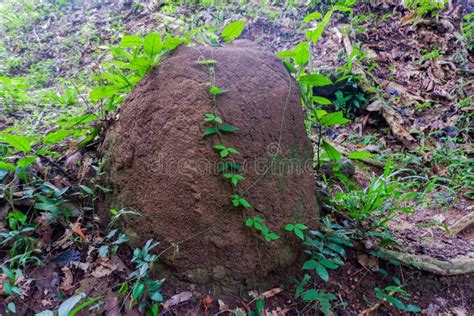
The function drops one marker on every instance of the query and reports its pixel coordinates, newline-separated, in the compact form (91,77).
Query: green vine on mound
(229,169)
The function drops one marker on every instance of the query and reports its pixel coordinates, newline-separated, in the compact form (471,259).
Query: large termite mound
(160,164)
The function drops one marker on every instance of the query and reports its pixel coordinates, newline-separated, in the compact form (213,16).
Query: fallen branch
(461,224)
(456,266)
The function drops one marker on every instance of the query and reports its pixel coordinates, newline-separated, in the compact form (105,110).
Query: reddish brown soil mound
(160,164)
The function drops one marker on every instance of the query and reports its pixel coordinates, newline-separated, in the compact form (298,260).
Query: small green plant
(145,292)
(132,60)
(69,308)
(297,229)
(112,241)
(377,204)
(326,249)
(424,7)
(389,294)
(259,225)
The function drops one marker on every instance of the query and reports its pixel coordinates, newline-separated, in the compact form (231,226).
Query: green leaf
(284,54)
(248,222)
(7,166)
(360,155)
(19,142)
(271,236)
(321,100)
(337,248)
(156,296)
(334,118)
(330,151)
(310,264)
(412,308)
(86,189)
(138,291)
(302,54)
(322,272)
(395,302)
(131,41)
(228,128)
(329,264)
(232,30)
(301,226)
(289,227)
(315,80)
(312,16)
(299,233)
(245,203)
(26,161)
(103,92)
(171,43)
(123,289)
(215,90)
(310,295)
(152,44)
(57,136)
(210,131)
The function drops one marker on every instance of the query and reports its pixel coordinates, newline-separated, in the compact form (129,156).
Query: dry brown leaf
(76,227)
(101,272)
(68,279)
(177,299)
(368,262)
(271,292)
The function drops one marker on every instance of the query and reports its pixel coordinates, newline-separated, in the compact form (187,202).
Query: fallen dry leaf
(177,299)
(271,292)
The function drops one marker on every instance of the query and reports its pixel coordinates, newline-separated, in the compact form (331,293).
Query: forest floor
(411,100)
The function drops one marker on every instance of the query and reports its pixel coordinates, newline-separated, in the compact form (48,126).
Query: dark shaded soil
(162,166)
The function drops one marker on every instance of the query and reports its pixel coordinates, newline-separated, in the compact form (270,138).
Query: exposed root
(456,266)
(461,224)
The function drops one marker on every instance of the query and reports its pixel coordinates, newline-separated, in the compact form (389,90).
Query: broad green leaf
(334,118)
(329,264)
(138,291)
(312,16)
(299,233)
(284,54)
(156,296)
(412,308)
(310,265)
(248,222)
(171,43)
(289,227)
(321,100)
(103,92)
(310,295)
(232,30)
(152,44)
(301,226)
(360,155)
(19,142)
(315,80)
(322,272)
(330,151)
(210,131)
(395,302)
(131,41)
(302,54)
(7,166)
(26,161)
(337,248)
(228,128)
(57,136)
